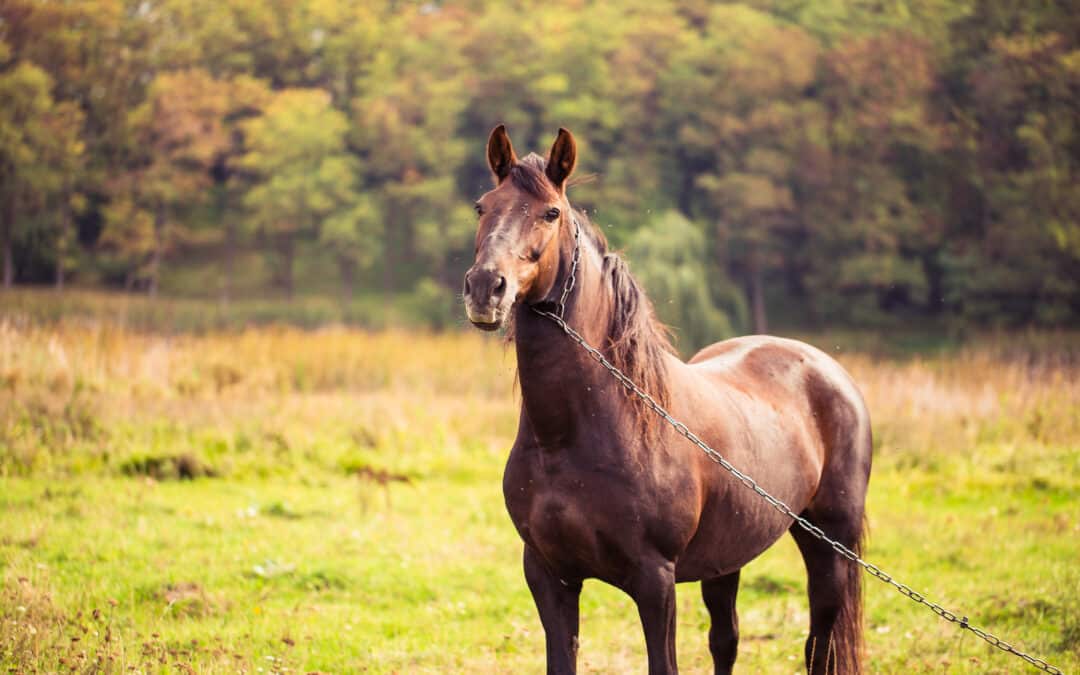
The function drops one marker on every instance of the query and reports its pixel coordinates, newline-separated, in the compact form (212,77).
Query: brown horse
(600,487)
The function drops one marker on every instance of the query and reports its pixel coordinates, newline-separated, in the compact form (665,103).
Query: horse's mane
(636,339)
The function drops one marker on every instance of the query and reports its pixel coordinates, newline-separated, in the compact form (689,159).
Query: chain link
(575,258)
(751,484)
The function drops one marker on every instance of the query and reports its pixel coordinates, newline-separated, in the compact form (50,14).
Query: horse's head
(517,239)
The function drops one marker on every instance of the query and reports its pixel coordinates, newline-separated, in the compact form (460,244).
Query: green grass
(347,515)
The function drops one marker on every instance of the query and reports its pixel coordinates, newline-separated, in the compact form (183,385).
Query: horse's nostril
(501,285)
(466,285)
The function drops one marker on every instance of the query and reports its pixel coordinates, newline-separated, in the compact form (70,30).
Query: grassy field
(278,500)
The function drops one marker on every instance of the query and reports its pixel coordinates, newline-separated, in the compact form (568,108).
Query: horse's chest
(591,518)
(571,516)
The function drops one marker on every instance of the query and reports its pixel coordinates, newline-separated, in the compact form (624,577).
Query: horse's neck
(563,387)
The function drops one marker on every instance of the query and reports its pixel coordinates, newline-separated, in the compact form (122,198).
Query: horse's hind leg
(557,603)
(834,584)
(719,595)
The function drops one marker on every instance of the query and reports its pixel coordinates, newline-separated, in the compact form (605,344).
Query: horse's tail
(835,645)
(847,637)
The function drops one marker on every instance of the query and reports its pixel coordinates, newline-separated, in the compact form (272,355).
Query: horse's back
(797,376)
(769,362)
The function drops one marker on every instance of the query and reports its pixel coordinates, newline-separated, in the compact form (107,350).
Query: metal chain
(575,258)
(750,483)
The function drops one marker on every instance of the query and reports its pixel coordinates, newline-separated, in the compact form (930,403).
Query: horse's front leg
(719,595)
(557,602)
(653,589)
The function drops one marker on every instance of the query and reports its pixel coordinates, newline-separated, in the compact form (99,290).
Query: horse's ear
(563,158)
(500,152)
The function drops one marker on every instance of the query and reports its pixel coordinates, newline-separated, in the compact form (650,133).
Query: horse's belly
(715,552)
(734,530)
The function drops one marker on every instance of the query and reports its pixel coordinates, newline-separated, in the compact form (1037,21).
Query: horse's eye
(479,209)
(551,214)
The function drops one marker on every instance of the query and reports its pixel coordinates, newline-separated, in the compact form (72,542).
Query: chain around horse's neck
(571,277)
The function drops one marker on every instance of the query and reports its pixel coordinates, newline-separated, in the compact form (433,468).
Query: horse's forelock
(528,175)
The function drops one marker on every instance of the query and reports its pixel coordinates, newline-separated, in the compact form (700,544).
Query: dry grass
(945,404)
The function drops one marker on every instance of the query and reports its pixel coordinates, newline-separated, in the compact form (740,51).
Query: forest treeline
(795,162)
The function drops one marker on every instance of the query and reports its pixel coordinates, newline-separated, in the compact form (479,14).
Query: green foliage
(669,259)
(862,162)
(40,156)
(303,176)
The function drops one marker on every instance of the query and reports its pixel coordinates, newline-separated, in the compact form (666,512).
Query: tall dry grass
(73,391)
(115,361)
(982,393)
(61,383)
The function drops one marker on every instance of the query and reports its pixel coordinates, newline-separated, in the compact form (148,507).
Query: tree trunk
(229,261)
(155,259)
(7,229)
(9,264)
(757,295)
(62,241)
(388,260)
(935,282)
(287,251)
(347,268)
(59,280)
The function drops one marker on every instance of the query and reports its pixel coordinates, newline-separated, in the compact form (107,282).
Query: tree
(669,256)
(301,174)
(743,125)
(1015,213)
(407,115)
(874,223)
(178,134)
(353,234)
(40,154)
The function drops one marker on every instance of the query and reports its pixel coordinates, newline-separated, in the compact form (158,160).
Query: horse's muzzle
(486,297)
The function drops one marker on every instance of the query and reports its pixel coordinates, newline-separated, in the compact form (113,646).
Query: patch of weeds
(53,492)
(28,619)
(28,542)
(168,467)
(225,375)
(34,631)
(768,585)
(188,600)
(277,441)
(321,580)
(364,437)
(281,510)
(1070,629)
(1023,609)
(367,472)
(1039,483)
(42,427)
(157,655)
(242,442)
